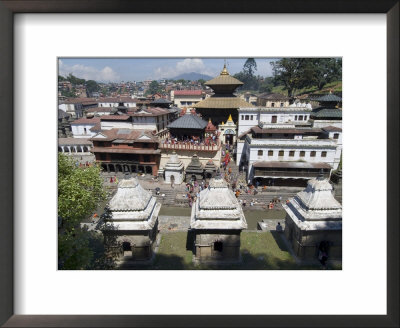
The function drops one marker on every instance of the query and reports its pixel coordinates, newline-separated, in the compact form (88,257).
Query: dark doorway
(218,246)
(274,119)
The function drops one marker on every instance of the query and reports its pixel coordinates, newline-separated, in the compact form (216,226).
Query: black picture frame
(7,10)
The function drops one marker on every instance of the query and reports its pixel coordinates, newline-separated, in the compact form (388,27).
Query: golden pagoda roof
(223,102)
(230,118)
(224,78)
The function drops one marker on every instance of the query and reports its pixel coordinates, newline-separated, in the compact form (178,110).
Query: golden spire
(229,118)
(222,123)
(224,71)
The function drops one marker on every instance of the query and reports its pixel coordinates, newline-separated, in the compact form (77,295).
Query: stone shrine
(210,170)
(216,222)
(130,227)
(173,170)
(314,221)
(194,171)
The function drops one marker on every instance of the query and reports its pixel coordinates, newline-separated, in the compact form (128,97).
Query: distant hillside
(192,76)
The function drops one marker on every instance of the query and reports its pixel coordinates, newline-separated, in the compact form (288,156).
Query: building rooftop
(257,129)
(87,120)
(273,96)
(74,141)
(188,121)
(321,113)
(328,98)
(128,135)
(223,102)
(292,164)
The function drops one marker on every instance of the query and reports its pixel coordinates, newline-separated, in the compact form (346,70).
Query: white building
(186,98)
(174,170)
(82,127)
(155,119)
(284,146)
(115,102)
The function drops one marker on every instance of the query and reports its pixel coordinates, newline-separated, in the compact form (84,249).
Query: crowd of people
(191,140)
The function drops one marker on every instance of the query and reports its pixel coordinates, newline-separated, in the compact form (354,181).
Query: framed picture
(30,297)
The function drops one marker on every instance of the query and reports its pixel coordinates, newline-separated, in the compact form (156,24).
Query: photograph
(199,163)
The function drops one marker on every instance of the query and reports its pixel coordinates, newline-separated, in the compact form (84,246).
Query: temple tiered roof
(132,207)
(217,208)
(315,208)
(174,163)
(194,166)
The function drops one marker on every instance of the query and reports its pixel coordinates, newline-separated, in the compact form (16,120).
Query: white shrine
(131,226)
(217,220)
(314,221)
(173,170)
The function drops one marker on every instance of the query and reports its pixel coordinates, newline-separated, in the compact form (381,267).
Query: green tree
(61,78)
(154,87)
(326,70)
(75,80)
(250,66)
(289,73)
(92,86)
(80,191)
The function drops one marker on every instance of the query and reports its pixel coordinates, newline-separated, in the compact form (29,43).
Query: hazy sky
(139,69)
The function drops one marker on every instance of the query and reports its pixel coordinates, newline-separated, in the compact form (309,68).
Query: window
(260,153)
(336,136)
(281,104)
(270,153)
(272,104)
(295,118)
(242,117)
(251,117)
(246,117)
(323,154)
(300,117)
(274,119)
(85,130)
(302,153)
(313,153)
(281,153)
(291,153)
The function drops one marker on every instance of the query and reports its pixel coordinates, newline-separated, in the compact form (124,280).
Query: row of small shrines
(175,173)
(313,223)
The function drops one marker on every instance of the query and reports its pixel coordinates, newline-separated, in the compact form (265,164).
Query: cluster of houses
(275,143)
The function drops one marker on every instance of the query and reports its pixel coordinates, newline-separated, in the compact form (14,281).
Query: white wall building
(284,143)
(115,102)
(81,128)
(186,98)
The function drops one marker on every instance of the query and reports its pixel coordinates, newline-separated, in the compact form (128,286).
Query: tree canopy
(298,73)
(80,191)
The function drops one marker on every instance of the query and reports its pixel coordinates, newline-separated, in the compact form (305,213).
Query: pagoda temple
(223,102)
(130,227)
(314,221)
(216,222)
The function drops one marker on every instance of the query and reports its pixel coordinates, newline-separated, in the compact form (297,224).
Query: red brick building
(121,150)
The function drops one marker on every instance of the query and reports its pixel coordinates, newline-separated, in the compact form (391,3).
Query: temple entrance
(193,178)
(228,134)
(172,179)
(208,175)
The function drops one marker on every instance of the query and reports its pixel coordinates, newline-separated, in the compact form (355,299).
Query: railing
(261,173)
(187,146)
